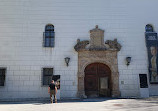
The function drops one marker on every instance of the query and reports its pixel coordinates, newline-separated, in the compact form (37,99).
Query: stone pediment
(96,42)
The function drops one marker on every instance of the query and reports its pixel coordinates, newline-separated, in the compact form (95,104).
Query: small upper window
(49,36)
(149,28)
(2,76)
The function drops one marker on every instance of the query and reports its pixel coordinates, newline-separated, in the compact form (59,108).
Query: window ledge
(44,85)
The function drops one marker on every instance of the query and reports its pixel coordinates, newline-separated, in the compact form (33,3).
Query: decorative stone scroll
(81,45)
(113,45)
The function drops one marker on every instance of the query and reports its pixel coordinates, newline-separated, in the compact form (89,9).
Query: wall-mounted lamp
(67,59)
(128,60)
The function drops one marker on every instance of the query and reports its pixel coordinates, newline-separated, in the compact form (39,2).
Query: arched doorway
(97,80)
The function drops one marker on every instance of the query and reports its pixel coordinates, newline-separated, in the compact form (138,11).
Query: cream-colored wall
(22,25)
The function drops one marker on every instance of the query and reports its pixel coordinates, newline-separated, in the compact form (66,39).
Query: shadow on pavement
(153,100)
(39,102)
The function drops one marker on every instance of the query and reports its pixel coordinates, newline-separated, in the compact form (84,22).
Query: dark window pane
(1,72)
(149,28)
(143,80)
(2,77)
(52,28)
(50,71)
(47,34)
(52,42)
(52,34)
(1,83)
(46,42)
(49,28)
(47,80)
(47,75)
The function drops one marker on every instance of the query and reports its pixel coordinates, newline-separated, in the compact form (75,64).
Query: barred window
(2,76)
(47,75)
(49,36)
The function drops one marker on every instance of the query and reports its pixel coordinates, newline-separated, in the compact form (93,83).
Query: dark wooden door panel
(93,73)
(103,70)
(91,69)
(91,83)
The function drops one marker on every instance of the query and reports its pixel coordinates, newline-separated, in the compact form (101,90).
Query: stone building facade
(36,36)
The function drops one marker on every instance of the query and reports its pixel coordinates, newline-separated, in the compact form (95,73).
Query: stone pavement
(96,104)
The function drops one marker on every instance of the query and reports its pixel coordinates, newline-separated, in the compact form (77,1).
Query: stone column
(115,85)
(81,91)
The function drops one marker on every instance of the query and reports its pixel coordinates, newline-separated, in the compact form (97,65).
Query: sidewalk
(95,104)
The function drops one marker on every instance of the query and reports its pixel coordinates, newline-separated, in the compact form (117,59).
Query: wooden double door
(97,81)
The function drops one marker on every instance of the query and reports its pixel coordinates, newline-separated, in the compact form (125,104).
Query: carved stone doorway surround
(96,51)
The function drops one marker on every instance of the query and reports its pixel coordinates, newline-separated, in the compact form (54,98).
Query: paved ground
(99,104)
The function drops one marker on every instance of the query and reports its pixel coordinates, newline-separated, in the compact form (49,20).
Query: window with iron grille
(47,75)
(2,76)
(49,36)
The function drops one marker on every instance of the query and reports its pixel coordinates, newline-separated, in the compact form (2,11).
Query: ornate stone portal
(96,51)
